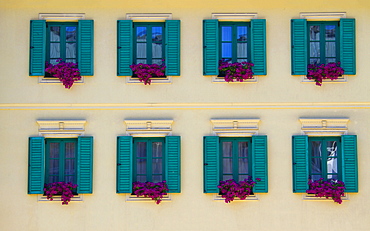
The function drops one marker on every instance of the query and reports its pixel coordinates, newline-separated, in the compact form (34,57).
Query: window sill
(56,198)
(342,79)
(134,198)
(218,197)
(311,197)
(216,79)
(43,80)
(166,80)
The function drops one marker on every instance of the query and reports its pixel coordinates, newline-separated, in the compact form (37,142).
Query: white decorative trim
(324,126)
(235,127)
(322,16)
(311,197)
(57,17)
(61,128)
(216,79)
(133,80)
(152,17)
(254,197)
(342,79)
(134,198)
(148,128)
(44,80)
(57,198)
(234,16)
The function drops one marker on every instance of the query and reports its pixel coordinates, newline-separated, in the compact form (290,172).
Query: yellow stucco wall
(105,100)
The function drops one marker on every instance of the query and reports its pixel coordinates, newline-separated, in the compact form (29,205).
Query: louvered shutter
(85,164)
(172,47)
(348,45)
(299,46)
(37,47)
(85,54)
(300,164)
(258,46)
(124,164)
(36,161)
(259,163)
(211,164)
(124,47)
(349,158)
(210,47)
(173,163)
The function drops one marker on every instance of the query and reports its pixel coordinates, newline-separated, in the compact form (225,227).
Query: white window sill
(311,197)
(134,198)
(43,80)
(342,79)
(218,197)
(166,80)
(216,79)
(43,198)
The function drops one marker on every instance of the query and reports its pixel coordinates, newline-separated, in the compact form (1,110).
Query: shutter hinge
(31,47)
(205,164)
(119,47)
(118,164)
(204,46)
(294,163)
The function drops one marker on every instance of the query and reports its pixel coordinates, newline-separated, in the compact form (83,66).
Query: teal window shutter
(349,157)
(124,164)
(173,163)
(211,164)
(124,47)
(299,46)
(348,45)
(172,48)
(85,164)
(210,47)
(300,164)
(86,47)
(259,163)
(36,171)
(258,46)
(37,47)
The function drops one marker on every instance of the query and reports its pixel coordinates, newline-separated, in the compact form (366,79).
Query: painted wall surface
(192,100)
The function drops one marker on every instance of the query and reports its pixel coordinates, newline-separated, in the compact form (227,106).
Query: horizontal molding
(184,106)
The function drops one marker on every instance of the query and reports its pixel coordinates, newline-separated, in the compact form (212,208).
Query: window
(327,157)
(148,159)
(148,42)
(321,42)
(235,158)
(53,160)
(235,42)
(70,41)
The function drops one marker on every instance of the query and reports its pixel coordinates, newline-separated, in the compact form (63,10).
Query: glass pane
(226,33)
(314,49)
(143,61)
(141,166)
(70,150)
(70,50)
(141,34)
(242,177)
(227,177)
(243,165)
(54,150)
(316,148)
(156,50)
(141,50)
(243,149)
(331,60)
(53,61)
(141,149)
(226,50)
(314,61)
(54,50)
(157,61)
(54,166)
(157,166)
(227,149)
(157,149)
(55,34)
(330,49)
(331,147)
(241,60)
(315,177)
(334,177)
(70,33)
(242,33)
(53,179)
(242,50)
(141,178)
(314,33)
(69,179)
(316,165)
(156,34)
(71,60)
(330,32)
(332,165)
(227,166)
(156,178)
(69,166)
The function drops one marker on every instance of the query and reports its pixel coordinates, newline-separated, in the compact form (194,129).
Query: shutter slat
(300,164)
(299,46)
(37,47)
(124,47)
(173,163)
(259,163)
(36,171)
(210,47)
(258,46)
(348,45)
(85,164)
(124,164)
(86,47)
(172,48)
(349,157)
(211,164)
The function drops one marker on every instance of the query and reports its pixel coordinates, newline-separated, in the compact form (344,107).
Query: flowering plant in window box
(146,72)
(327,188)
(235,71)
(60,188)
(330,71)
(230,189)
(156,191)
(66,72)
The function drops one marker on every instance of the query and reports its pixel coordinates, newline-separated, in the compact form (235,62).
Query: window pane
(314,49)
(157,34)
(53,179)
(70,50)
(156,178)
(70,33)
(332,165)
(226,50)
(54,167)
(334,177)
(316,148)
(330,49)
(242,60)
(141,34)
(71,60)
(243,149)
(55,34)
(70,150)
(242,177)
(141,166)
(69,179)
(157,61)
(331,60)
(330,32)
(156,50)
(69,166)
(227,177)
(314,33)
(54,50)
(226,33)
(143,61)
(227,149)
(315,177)
(243,165)
(227,166)
(157,149)
(141,50)
(141,149)
(331,147)
(157,166)
(242,33)
(314,61)
(141,178)
(54,150)
(53,61)
(242,50)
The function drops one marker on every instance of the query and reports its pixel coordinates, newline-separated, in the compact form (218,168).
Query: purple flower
(230,189)
(67,73)
(327,188)
(236,71)
(319,72)
(156,191)
(60,188)
(145,71)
